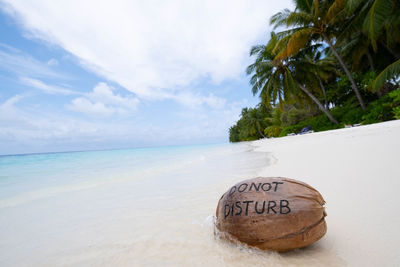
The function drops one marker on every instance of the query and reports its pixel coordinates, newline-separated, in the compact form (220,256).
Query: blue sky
(79,75)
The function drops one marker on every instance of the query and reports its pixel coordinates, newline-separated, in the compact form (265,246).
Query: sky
(87,75)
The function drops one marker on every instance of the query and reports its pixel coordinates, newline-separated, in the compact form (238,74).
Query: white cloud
(30,127)
(50,89)
(52,62)
(152,48)
(22,64)
(24,128)
(84,105)
(191,100)
(104,93)
(214,101)
(103,102)
(9,103)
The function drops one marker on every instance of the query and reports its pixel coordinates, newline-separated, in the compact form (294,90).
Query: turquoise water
(28,173)
(135,207)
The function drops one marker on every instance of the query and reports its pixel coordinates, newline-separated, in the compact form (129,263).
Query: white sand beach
(357,172)
(155,207)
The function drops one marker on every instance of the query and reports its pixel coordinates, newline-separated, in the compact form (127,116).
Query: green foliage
(234,134)
(389,73)
(275,118)
(380,110)
(317,123)
(395,97)
(291,129)
(380,18)
(349,114)
(293,116)
(384,109)
(341,94)
(280,123)
(251,125)
(273,131)
(333,57)
(283,81)
(396,112)
(367,80)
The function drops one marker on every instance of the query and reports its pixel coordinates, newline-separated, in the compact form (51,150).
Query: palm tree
(313,20)
(255,122)
(251,124)
(325,67)
(281,79)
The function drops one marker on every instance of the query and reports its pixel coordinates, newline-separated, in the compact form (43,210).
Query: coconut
(272,213)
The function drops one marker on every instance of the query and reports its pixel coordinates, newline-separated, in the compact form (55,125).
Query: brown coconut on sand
(271,213)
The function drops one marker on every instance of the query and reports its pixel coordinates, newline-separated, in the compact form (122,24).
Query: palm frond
(334,10)
(298,19)
(279,19)
(316,9)
(285,33)
(352,27)
(375,20)
(298,40)
(256,49)
(279,45)
(352,5)
(304,5)
(388,73)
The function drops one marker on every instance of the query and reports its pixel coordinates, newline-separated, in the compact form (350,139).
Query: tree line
(327,63)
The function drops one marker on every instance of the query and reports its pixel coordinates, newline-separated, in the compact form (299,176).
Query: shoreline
(355,171)
(115,194)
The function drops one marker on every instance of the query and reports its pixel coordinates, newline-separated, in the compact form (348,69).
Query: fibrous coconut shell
(272,213)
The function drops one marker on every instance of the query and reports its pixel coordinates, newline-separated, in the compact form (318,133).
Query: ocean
(133,207)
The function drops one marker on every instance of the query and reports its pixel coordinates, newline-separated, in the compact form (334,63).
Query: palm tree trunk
(323,91)
(339,58)
(371,62)
(259,131)
(321,107)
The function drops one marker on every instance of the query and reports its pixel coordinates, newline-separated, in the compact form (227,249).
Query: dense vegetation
(331,63)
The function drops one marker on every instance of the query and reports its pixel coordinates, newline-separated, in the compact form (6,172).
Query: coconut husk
(272,213)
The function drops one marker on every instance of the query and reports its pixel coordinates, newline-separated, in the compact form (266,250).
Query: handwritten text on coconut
(266,207)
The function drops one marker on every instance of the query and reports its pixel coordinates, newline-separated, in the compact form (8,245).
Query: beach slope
(357,171)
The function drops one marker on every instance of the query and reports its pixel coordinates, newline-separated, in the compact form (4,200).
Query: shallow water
(138,207)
